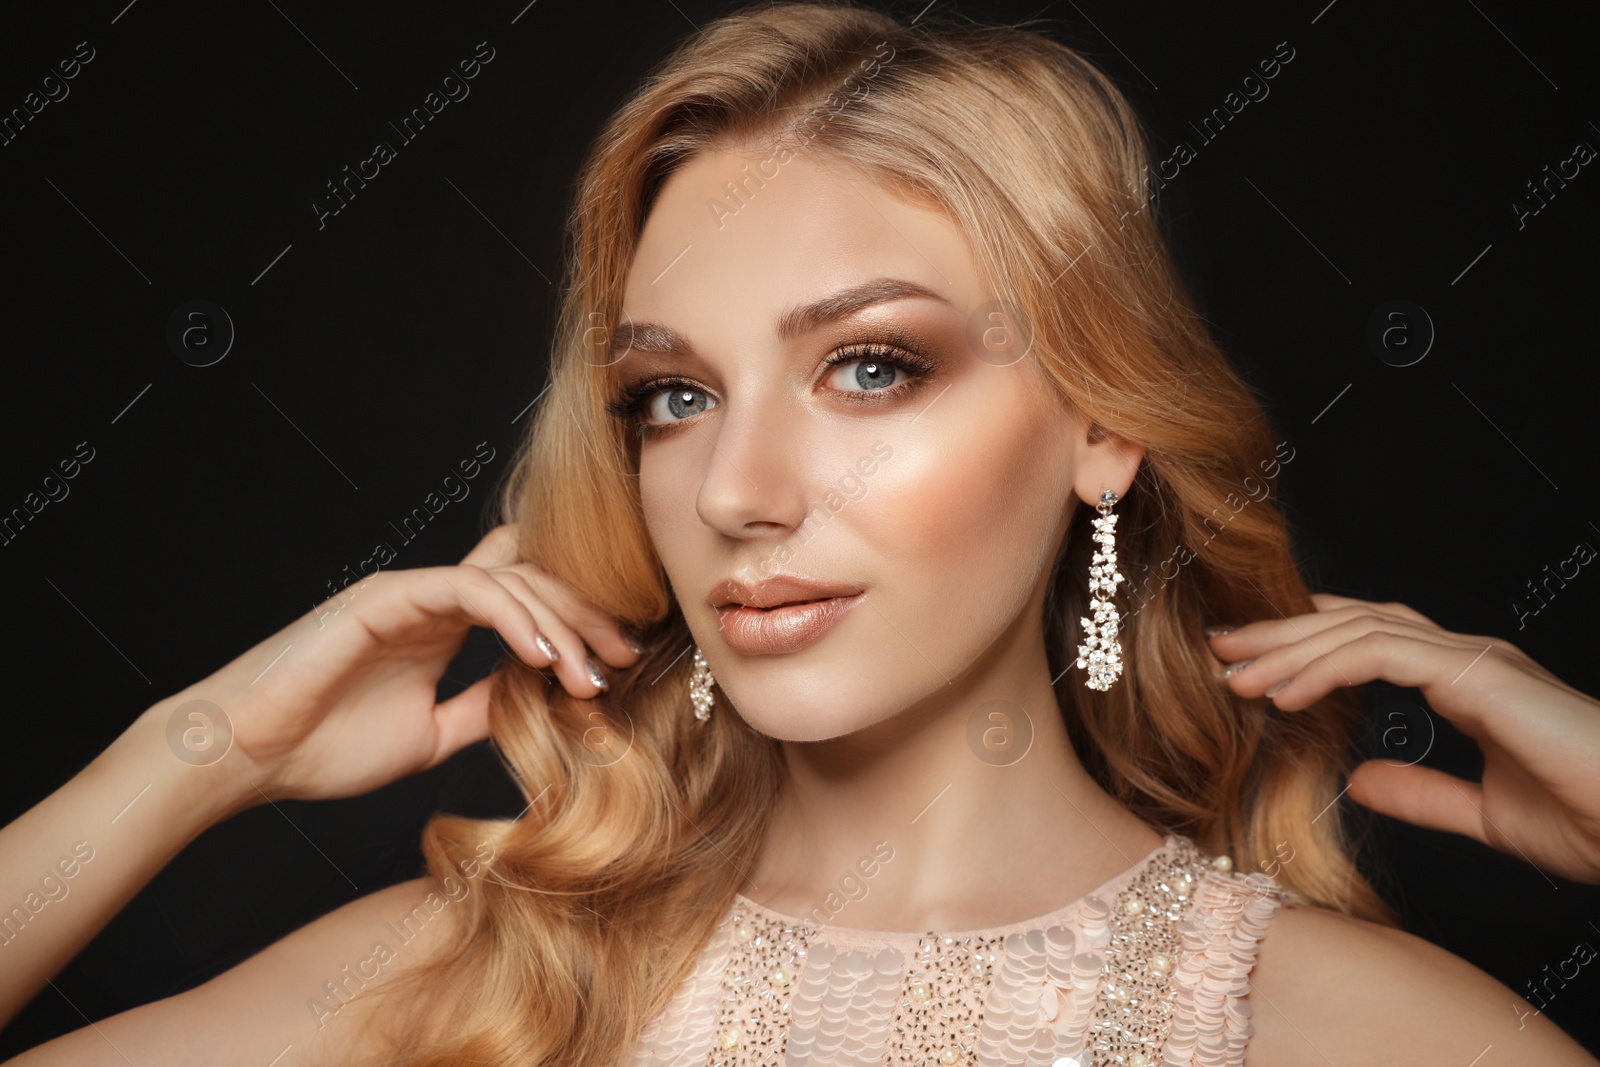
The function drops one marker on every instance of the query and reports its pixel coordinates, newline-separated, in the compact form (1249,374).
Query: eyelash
(630,404)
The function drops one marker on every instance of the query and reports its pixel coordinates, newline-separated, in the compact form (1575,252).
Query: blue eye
(881,373)
(681,401)
(870,374)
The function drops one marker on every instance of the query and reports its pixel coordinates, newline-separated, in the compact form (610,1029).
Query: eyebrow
(795,322)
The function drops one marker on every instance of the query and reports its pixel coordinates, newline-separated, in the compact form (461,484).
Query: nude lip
(786,628)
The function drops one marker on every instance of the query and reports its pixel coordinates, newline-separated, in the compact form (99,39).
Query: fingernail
(634,643)
(1214,631)
(595,676)
(1275,690)
(546,646)
(1234,668)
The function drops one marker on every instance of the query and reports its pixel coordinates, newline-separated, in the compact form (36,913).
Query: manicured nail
(1275,690)
(634,643)
(1234,668)
(595,676)
(1214,631)
(546,646)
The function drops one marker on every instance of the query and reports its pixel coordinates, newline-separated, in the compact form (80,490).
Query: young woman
(980,715)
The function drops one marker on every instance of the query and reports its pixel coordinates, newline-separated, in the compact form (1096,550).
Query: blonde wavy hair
(641,822)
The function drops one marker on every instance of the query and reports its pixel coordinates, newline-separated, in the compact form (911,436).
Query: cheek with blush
(971,517)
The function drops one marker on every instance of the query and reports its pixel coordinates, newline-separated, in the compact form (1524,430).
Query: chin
(789,713)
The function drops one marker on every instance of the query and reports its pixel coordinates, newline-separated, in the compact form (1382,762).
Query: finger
(1404,660)
(1420,795)
(1390,607)
(462,720)
(469,592)
(1255,638)
(572,667)
(497,549)
(1255,674)
(1329,601)
(600,631)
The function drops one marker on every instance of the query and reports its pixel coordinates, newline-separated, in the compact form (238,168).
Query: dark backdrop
(374,348)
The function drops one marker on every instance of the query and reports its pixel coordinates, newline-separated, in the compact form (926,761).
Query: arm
(300,1002)
(72,862)
(338,703)
(1538,798)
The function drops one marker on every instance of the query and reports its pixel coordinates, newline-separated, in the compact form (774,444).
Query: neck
(946,816)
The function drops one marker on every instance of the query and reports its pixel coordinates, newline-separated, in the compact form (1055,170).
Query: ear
(1105,461)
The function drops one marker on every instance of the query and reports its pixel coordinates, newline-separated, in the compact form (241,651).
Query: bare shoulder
(304,1000)
(1328,988)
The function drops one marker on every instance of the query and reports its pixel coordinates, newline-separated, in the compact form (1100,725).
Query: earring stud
(1101,651)
(700,682)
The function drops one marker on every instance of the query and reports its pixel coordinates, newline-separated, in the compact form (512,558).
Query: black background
(375,352)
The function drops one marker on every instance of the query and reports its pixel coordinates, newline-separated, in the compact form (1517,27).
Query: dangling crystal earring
(700,682)
(1101,652)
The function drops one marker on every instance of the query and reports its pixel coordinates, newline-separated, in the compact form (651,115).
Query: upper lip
(777,590)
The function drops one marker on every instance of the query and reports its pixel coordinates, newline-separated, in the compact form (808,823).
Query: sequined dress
(1148,969)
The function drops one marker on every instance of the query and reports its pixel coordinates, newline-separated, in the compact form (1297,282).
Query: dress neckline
(1100,891)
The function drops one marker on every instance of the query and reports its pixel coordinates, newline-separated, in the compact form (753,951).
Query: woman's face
(934,479)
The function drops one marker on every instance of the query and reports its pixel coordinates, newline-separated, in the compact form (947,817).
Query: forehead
(733,238)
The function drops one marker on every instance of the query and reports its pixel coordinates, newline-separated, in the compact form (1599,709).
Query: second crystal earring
(1101,651)
(700,682)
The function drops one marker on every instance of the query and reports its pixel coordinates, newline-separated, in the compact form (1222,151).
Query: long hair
(641,823)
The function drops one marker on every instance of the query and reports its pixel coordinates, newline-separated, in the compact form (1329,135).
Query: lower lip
(786,628)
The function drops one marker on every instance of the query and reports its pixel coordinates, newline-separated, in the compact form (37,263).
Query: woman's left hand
(1540,794)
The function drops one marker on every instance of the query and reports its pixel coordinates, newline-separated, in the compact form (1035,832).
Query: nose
(754,482)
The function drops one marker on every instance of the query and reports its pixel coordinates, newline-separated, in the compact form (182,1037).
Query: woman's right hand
(343,700)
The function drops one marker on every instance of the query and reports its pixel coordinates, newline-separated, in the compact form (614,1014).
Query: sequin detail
(1146,971)
(689,1015)
(1220,935)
